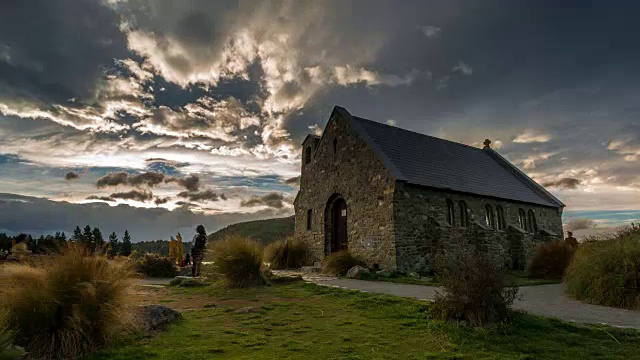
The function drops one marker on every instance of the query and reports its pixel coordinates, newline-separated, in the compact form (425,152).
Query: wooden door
(339,215)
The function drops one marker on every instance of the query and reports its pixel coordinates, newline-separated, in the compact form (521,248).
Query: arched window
(522,219)
(450,213)
(502,224)
(464,220)
(307,155)
(335,145)
(533,225)
(309,219)
(488,216)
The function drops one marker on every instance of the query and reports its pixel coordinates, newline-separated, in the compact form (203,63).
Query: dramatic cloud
(113,179)
(272,200)
(149,178)
(191,182)
(159,200)
(71,175)
(137,195)
(103,198)
(530,136)
(205,195)
(628,148)
(579,224)
(564,183)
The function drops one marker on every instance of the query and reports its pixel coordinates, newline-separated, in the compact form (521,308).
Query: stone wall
(355,173)
(421,227)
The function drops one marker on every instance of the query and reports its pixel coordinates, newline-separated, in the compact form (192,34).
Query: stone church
(395,197)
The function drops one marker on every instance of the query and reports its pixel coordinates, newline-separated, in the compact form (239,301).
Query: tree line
(90,238)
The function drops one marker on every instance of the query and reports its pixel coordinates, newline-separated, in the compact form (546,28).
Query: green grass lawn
(518,277)
(306,321)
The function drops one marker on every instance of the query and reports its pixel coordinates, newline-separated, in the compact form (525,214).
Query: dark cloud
(71,175)
(564,183)
(579,224)
(150,179)
(293,181)
(103,198)
(160,200)
(272,200)
(191,182)
(138,195)
(205,195)
(113,179)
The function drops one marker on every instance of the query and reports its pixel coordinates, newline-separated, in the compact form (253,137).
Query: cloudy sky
(197,108)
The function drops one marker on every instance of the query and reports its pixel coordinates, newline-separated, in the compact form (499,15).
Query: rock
(356,272)
(383,273)
(245,310)
(414,275)
(153,317)
(187,281)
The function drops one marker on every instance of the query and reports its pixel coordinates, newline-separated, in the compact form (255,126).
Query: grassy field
(305,321)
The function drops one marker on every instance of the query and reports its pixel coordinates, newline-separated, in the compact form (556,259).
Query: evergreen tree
(125,248)
(77,234)
(114,246)
(98,239)
(87,239)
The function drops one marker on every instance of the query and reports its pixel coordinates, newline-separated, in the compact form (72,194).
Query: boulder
(356,272)
(153,317)
(414,275)
(187,281)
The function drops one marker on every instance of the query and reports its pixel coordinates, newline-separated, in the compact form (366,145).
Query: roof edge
(523,177)
(363,134)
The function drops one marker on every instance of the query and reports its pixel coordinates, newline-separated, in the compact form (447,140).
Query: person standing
(570,240)
(197,250)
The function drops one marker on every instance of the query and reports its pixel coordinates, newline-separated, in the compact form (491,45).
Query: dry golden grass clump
(67,305)
(287,253)
(607,272)
(338,263)
(550,260)
(239,261)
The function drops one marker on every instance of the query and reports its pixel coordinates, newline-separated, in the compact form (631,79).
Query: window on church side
(309,219)
(464,220)
(450,213)
(488,216)
(522,219)
(307,155)
(335,145)
(533,225)
(502,224)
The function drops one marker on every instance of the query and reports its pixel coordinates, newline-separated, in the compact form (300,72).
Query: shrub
(239,261)
(7,350)
(288,253)
(474,286)
(154,265)
(607,272)
(338,263)
(67,306)
(550,260)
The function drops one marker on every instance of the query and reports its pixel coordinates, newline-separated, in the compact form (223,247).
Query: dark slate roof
(429,161)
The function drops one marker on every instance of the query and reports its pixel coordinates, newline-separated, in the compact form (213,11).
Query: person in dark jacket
(197,250)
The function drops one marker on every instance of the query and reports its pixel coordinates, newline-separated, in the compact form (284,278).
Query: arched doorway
(336,238)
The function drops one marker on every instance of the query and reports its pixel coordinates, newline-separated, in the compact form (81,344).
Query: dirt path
(544,300)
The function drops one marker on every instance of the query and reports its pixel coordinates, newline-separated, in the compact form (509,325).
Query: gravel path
(544,300)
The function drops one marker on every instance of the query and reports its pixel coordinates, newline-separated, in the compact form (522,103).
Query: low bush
(474,287)
(607,272)
(550,260)
(288,253)
(338,263)
(69,305)
(7,350)
(239,261)
(154,265)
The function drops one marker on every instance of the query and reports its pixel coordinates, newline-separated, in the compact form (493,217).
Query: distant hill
(264,231)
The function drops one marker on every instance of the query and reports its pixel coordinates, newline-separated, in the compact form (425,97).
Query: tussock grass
(68,305)
(607,272)
(239,261)
(550,260)
(155,265)
(288,253)
(340,262)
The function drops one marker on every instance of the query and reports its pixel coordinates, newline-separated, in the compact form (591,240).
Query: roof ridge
(417,133)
